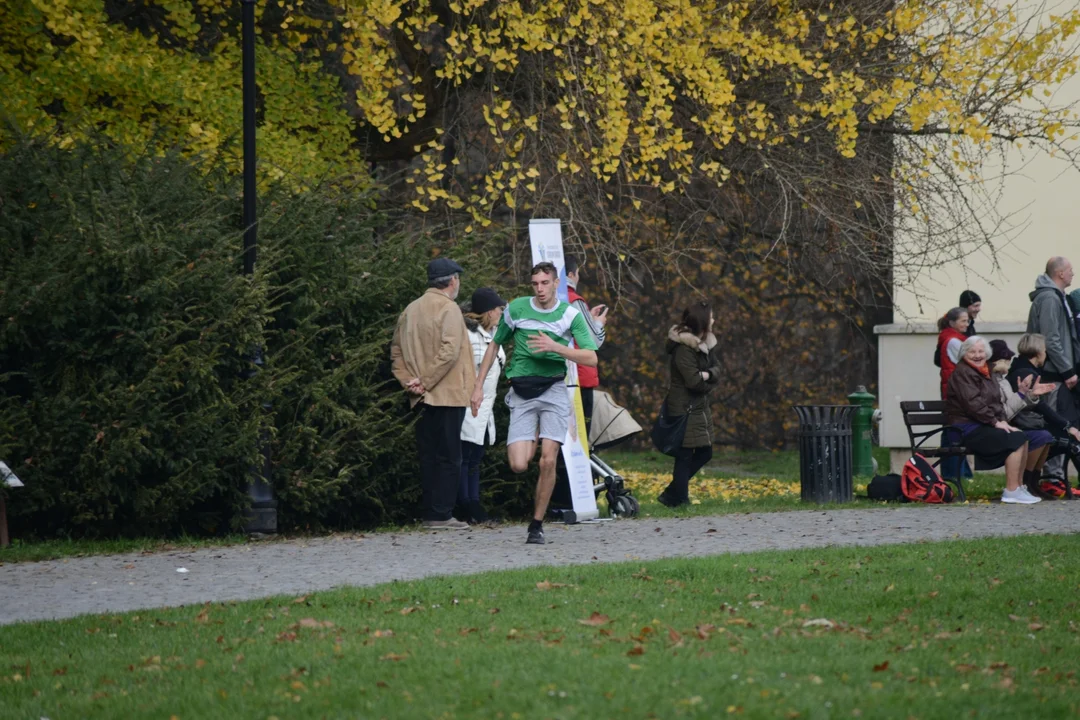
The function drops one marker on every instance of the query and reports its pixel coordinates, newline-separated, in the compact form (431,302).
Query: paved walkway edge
(119,583)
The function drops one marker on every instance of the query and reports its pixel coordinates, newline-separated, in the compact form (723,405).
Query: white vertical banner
(545,237)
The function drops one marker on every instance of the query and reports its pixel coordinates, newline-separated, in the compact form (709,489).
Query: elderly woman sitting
(973,404)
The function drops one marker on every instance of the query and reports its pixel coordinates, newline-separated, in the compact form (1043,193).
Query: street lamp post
(262,514)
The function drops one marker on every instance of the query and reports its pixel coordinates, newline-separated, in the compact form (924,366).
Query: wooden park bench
(931,414)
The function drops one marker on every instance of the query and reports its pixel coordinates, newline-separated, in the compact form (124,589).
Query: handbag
(668,431)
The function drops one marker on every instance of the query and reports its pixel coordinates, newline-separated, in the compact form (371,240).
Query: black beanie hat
(969,298)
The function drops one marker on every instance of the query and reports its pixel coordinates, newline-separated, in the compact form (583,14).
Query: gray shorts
(548,415)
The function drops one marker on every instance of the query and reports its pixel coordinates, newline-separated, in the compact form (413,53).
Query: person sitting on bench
(973,404)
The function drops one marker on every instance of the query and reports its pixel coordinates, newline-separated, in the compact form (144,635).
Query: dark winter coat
(973,397)
(688,357)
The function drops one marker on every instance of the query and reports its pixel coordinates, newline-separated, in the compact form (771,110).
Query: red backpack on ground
(920,482)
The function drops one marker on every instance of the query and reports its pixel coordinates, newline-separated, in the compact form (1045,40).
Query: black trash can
(825,453)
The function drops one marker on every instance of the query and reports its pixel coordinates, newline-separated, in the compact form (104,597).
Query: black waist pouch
(531,387)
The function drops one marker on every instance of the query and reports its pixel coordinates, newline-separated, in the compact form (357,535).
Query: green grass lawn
(961,629)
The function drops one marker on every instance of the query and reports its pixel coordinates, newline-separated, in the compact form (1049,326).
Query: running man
(541,327)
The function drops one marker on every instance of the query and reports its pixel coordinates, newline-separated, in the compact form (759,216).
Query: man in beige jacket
(433,361)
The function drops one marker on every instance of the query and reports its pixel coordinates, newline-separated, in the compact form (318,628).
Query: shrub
(126,331)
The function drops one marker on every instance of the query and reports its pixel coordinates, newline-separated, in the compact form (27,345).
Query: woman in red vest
(952,326)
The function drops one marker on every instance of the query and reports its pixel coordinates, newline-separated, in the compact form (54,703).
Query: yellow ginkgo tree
(861,116)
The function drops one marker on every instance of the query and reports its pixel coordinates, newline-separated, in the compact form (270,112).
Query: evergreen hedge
(127,398)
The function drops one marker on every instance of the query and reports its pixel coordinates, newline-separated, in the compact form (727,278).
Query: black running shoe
(536,536)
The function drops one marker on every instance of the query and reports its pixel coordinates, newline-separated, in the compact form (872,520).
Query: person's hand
(599,314)
(542,343)
(1075,434)
(1041,388)
(415,387)
(705,375)
(1002,425)
(477,399)
(1024,385)
(1071,382)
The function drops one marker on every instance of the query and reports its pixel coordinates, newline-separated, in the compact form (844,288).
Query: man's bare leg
(520,454)
(545,485)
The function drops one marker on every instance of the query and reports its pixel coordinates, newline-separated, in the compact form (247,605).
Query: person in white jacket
(482,314)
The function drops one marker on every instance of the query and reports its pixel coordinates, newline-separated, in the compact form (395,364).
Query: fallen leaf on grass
(882,667)
(394,657)
(636,650)
(1015,618)
(545,585)
(641,575)
(819,622)
(703,631)
(1035,627)
(287,636)
(674,637)
(964,668)
(1040,671)
(383,633)
(313,623)
(381,684)
(494,611)
(465,631)
(300,600)
(203,616)
(200,664)
(595,620)
(410,609)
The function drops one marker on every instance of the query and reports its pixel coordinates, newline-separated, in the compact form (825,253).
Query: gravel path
(114,583)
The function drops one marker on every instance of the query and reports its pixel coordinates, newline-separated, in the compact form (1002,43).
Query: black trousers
(469,488)
(438,443)
(687,463)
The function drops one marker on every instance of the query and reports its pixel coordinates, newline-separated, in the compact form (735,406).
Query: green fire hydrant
(862,455)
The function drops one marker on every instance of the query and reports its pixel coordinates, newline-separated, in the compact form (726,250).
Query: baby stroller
(610,426)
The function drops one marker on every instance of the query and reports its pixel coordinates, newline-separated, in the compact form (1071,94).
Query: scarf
(983,369)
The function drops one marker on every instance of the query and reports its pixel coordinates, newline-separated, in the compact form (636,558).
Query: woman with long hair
(952,332)
(695,371)
(482,314)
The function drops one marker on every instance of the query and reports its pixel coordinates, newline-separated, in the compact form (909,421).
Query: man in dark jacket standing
(1051,317)
(970,301)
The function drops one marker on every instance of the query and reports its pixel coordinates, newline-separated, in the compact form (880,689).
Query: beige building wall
(1042,194)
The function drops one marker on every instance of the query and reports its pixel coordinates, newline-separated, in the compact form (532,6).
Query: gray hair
(441,283)
(971,342)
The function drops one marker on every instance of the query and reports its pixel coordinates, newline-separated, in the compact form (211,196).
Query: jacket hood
(679,335)
(1043,283)
(471,324)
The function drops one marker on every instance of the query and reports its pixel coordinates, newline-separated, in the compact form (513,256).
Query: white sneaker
(1019,496)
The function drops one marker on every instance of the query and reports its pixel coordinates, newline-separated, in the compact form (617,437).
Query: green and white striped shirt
(561,323)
